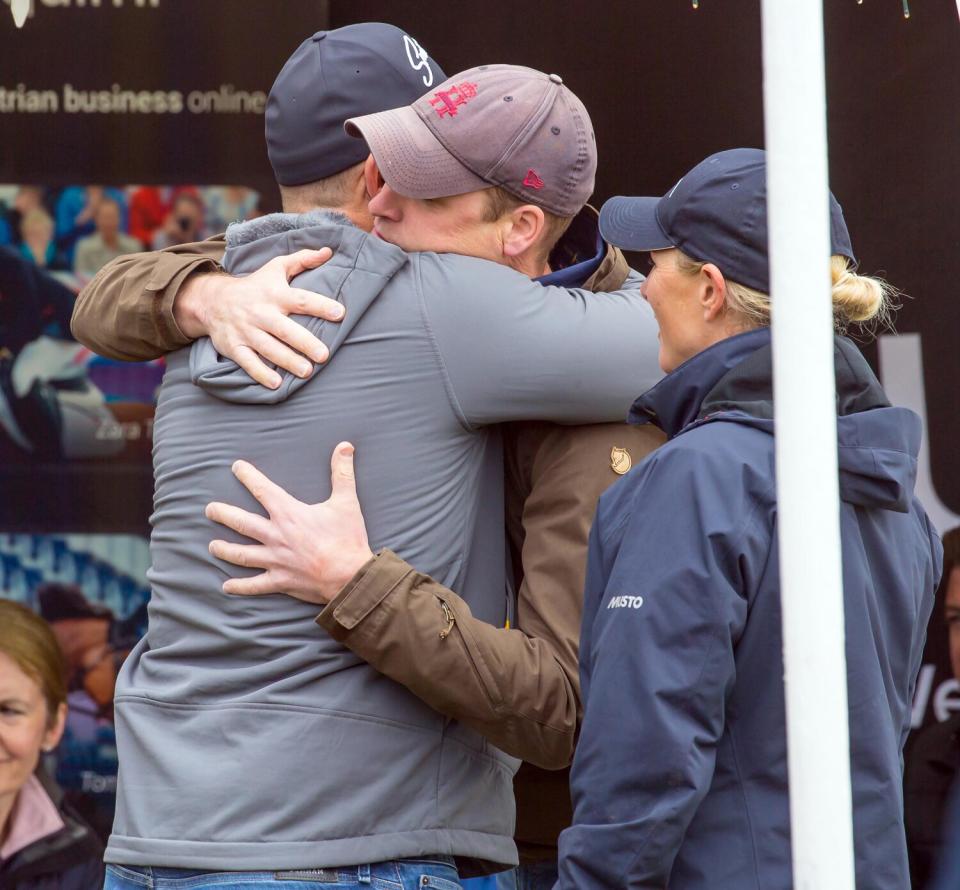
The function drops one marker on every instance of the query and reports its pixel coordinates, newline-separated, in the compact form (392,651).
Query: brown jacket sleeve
(500,681)
(126,311)
(516,686)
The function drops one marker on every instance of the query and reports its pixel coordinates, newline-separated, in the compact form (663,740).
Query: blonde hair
(28,640)
(861,300)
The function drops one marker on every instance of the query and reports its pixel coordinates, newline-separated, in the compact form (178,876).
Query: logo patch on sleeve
(625,602)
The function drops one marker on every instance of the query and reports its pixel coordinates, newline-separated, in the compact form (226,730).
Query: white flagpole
(20,8)
(818,734)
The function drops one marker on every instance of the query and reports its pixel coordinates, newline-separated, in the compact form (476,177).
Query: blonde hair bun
(858,298)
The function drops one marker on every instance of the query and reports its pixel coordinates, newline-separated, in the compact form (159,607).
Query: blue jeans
(437,872)
(539,876)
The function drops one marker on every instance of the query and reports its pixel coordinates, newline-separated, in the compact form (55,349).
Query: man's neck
(531,266)
(359,218)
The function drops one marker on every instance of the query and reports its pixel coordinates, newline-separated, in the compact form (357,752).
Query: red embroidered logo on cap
(446,101)
(533,181)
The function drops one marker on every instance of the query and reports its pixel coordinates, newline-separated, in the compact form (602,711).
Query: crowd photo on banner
(408,516)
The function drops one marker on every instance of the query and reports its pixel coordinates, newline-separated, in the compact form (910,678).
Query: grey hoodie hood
(367,261)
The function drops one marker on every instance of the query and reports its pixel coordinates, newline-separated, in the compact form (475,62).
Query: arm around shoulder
(127,311)
(513,349)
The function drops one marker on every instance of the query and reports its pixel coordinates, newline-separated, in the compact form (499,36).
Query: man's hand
(308,551)
(246,318)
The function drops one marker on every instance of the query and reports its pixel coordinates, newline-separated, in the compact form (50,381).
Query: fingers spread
(280,354)
(255,586)
(296,336)
(342,477)
(306,302)
(253,365)
(298,262)
(244,555)
(271,495)
(247,524)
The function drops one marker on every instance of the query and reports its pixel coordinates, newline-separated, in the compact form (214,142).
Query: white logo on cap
(418,59)
(670,194)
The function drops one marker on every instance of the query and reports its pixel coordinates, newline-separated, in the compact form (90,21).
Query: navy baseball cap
(717,213)
(334,75)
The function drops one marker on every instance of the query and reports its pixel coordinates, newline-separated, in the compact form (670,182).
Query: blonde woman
(680,775)
(43,845)
(38,245)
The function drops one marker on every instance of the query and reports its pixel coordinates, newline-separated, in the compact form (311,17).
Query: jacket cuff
(363,593)
(168,277)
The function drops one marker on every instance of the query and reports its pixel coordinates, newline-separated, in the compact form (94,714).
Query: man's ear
(372,177)
(522,227)
(713,292)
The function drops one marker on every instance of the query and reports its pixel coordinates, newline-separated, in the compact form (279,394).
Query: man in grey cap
(460,334)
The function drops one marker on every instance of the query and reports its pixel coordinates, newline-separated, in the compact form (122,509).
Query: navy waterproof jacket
(680,775)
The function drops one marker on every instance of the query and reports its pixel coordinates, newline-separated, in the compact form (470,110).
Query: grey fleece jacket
(249,741)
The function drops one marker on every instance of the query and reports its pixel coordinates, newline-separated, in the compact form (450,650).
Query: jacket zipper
(450,618)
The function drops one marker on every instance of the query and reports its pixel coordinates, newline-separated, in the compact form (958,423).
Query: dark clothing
(70,859)
(31,303)
(931,770)
(946,872)
(680,774)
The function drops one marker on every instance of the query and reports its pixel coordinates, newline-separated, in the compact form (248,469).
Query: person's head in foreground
(33,700)
(493,163)
(43,843)
(710,273)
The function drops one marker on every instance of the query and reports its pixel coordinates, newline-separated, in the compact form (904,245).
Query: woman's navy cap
(334,75)
(717,213)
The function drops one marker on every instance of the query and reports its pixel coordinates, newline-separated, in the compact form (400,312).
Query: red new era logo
(446,101)
(532,180)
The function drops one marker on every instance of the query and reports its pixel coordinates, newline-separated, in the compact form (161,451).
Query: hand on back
(247,318)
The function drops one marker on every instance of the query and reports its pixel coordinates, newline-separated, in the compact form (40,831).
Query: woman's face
(25,727)
(36,227)
(674,297)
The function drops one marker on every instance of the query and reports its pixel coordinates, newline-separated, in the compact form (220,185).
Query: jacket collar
(583,259)
(674,403)
(276,223)
(34,816)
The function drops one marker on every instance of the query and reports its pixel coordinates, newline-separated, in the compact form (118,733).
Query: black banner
(146,91)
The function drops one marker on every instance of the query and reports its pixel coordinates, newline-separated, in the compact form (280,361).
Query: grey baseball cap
(495,125)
